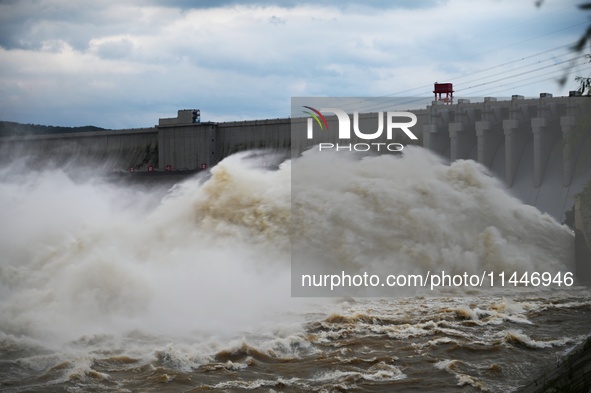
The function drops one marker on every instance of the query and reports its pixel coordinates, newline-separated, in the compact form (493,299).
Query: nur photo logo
(346,129)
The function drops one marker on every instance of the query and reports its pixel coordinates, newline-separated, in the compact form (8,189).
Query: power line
(512,61)
(523,73)
(512,69)
(555,73)
(487,82)
(507,63)
(460,76)
(554,77)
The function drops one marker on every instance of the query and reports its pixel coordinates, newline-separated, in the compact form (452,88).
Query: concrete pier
(583,236)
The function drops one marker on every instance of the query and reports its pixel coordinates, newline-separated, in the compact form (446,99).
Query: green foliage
(584,82)
(584,85)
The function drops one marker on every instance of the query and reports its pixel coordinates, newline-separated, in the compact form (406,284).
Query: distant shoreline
(10,128)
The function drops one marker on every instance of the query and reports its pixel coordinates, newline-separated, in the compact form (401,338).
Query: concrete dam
(540,148)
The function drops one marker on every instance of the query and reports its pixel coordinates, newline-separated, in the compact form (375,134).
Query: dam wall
(273,134)
(539,148)
(101,150)
(185,146)
(197,146)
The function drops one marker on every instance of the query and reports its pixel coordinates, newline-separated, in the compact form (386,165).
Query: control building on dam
(540,148)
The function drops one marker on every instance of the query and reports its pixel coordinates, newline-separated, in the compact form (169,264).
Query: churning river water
(113,288)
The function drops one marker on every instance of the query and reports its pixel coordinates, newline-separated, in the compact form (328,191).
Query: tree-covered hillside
(8,128)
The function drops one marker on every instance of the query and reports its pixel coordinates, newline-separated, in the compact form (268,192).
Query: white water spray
(213,256)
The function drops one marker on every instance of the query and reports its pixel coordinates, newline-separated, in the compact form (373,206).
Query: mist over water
(413,214)
(87,265)
(88,257)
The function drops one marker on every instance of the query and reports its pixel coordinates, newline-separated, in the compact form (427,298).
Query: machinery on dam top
(444,88)
(184,117)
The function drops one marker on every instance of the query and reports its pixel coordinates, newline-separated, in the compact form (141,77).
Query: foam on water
(378,372)
(87,266)
(415,214)
(517,337)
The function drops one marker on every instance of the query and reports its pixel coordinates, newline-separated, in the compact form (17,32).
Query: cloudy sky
(121,64)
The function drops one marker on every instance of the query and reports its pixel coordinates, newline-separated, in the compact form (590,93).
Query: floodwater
(113,288)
